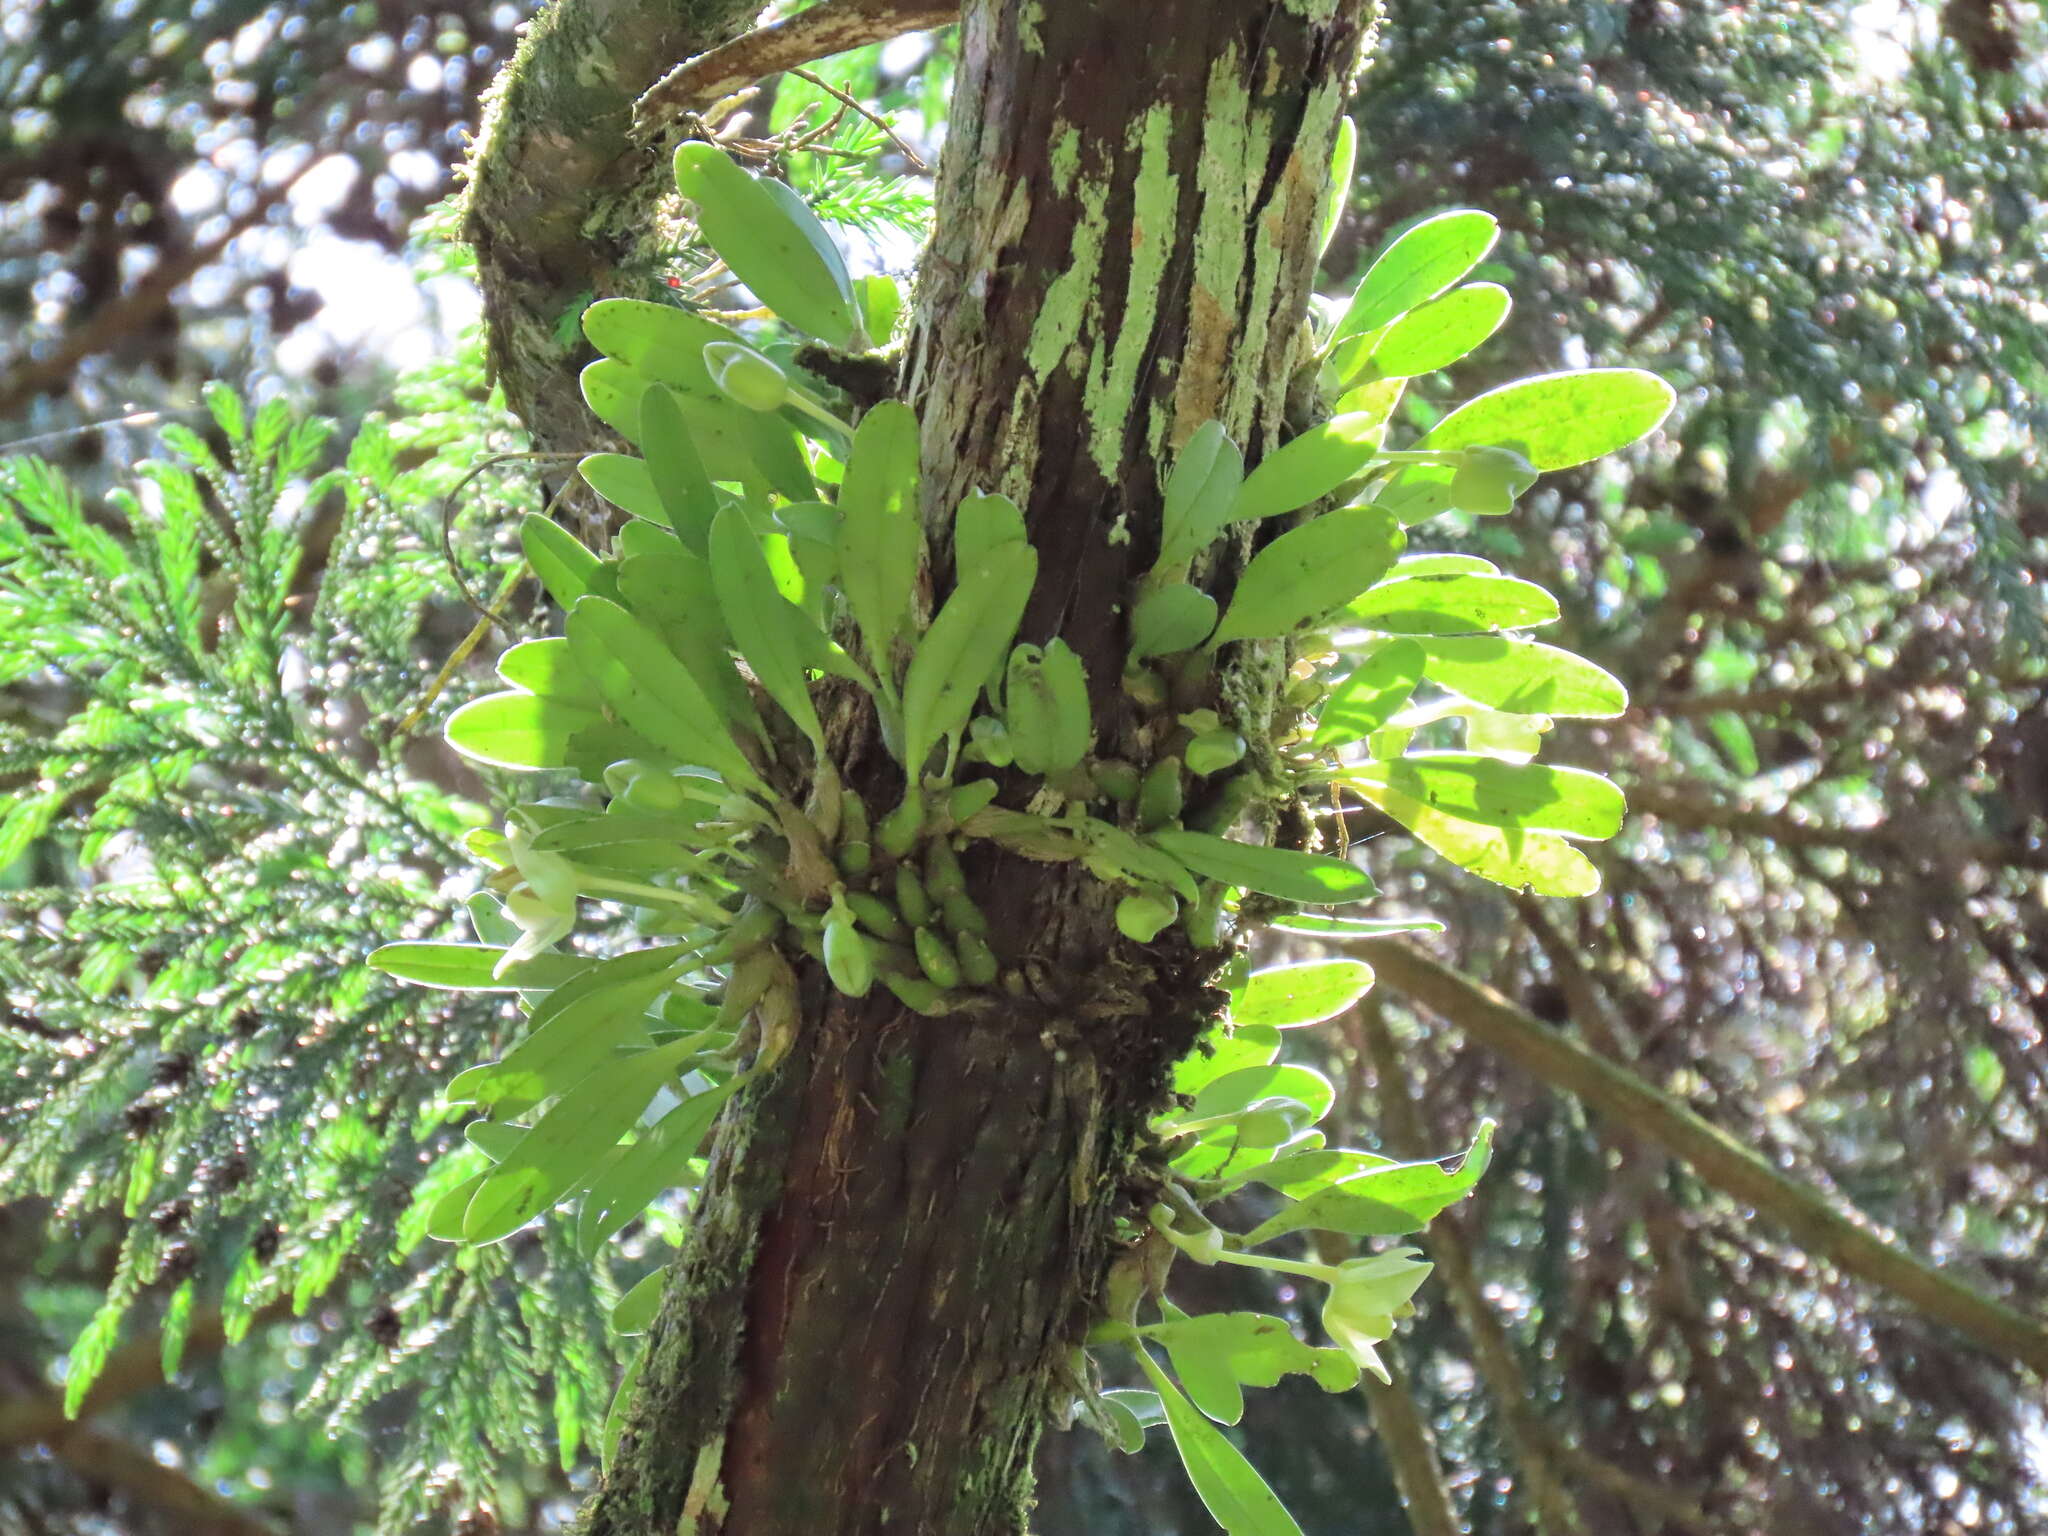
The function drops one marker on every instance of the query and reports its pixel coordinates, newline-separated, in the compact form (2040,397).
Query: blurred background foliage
(1823,931)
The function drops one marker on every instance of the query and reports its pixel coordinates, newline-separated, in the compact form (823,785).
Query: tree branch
(131,312)
(1842,1236)
(132,1369)
(560,197)
(1411,1452)
(113,1463)
(833,27)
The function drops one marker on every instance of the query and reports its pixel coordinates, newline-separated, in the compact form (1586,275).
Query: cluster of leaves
(684,698)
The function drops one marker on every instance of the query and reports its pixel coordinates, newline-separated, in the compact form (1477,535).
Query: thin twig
(493,616)
(129,314)
(836,26)
(448,516)
(915,160)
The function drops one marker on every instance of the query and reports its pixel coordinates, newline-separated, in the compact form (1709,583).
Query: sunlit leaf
(1423,260)
(1288,996)
(1557,420)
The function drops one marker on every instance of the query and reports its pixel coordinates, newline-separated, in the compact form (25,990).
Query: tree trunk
(907,1222)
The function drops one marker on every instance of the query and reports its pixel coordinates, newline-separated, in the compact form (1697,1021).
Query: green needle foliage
(206,802)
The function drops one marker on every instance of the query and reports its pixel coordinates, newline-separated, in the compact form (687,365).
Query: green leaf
(657,1161)
(880,301)
(1557,420)
(1300,1174)
(879,540)
(1199,494)
(494,1139)
(91,1349)
(1343,160)
(670,587)
(1217,1352)
(622,1404)
(468,967)
(517,730)
(1246,1086)
(682,486)
(1317,925)
(634,1312)
(1121,1405)
(567,1142)
(775,447)
(1229,1487)
(1309,571)
(177,1326)
(1498,793)
(1437,334)
(1114,853)
(1223,1050)
(1541,862)
(1442,565)
(1523,677)
(1737,742)
(544,667)
(770,246)
(765,626)
(1309,467)
(1369,695)
(799,214)
(625,482)
(1451,604)
(1311,879)
(616,393)
(980,525)
(1423,261)
(1288,996)
(1172,618)
(1045,703)
(563,565)
(575,1027)
(961,649)
(1382,1202)
(662,343)
(653,692)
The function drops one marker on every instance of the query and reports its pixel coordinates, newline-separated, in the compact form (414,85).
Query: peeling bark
(906,1224)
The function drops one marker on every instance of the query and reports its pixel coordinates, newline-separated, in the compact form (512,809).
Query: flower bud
(744,374)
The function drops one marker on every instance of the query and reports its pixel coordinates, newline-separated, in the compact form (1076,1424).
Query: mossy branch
(554,178)
(173,1500)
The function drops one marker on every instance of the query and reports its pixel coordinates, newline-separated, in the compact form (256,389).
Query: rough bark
(905,1225)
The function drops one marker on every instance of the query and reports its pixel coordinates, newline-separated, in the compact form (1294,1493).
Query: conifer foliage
(216,800)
